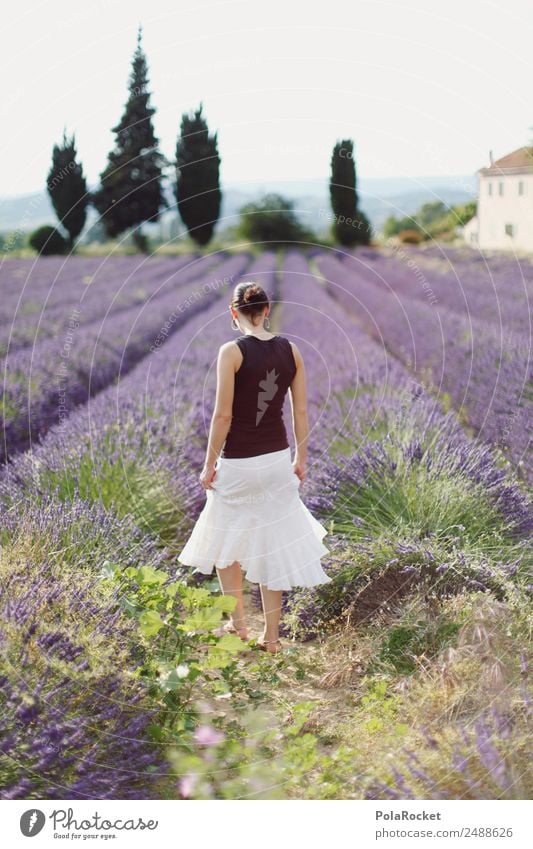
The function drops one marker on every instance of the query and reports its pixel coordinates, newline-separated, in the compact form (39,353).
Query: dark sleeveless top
(261,383)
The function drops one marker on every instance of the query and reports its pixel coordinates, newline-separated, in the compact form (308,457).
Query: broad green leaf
(202,620)
(129,605)
(226,603)
(108,569)
(196,595)
(150,623)
(169,680)
(218,660)
(229,643)
(172,589)
(149,575)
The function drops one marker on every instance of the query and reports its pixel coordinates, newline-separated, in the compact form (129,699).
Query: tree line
(433,220)
(131,191)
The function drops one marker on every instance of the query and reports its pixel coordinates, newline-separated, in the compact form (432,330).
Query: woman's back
(261,384)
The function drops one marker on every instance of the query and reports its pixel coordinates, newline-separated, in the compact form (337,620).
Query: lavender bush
(75,721)
(482,367)
(40,303)
(45,383)
(391,470)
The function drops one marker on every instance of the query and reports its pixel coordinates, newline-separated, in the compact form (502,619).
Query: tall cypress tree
(131,184)
(67,188)
(198,177)
(350,226)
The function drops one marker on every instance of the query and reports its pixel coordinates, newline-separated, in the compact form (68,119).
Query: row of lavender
(146,421)
(44,383)
(443,255)
(485,373)
(498,291)
(74,724)
(361,398)
(41,305)
(29,285)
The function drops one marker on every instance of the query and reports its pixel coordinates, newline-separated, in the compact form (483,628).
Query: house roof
(520,161)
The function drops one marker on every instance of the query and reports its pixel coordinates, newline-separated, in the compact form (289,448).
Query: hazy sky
(423,87)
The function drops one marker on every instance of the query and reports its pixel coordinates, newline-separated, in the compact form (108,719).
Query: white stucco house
(504,219)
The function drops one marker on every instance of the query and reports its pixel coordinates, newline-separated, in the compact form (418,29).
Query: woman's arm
(300,424)
(222,414)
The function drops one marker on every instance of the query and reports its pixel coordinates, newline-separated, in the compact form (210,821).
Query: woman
(254,518)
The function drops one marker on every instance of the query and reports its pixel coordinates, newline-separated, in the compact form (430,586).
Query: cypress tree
(67,188)
(131,184)
(350,226)
(198,177)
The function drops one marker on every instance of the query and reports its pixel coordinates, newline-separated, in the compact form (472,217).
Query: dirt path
(323,671)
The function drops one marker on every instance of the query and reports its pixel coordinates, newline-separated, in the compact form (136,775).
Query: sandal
(264,643)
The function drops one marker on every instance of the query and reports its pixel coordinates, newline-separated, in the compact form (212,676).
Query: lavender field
(407,675)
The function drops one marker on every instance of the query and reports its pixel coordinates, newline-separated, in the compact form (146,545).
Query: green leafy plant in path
(270,761)
(237,752)
(177,645)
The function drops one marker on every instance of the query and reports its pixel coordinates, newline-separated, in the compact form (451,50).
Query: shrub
(74,718)
(47,241)
(410,237)
(272,219)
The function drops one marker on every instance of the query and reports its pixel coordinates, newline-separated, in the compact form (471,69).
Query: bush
(410,237)
(272,219)
(47,240)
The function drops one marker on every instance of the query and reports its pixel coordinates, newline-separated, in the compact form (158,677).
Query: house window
(490,188)
(520,187)
(500,188)
(509,230)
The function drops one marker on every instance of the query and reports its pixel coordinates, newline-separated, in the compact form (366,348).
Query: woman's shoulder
(230,350)
(295,353)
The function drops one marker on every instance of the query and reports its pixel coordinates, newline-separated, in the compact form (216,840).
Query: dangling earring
(266,323)
(234,324)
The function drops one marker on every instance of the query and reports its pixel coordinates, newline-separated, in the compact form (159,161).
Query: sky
(422,87)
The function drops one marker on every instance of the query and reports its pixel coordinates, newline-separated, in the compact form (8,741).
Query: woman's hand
(207,476)
(298,467)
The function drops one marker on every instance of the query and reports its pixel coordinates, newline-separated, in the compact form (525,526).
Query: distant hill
(379,198)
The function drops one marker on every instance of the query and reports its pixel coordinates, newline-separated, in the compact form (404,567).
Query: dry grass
(337,675)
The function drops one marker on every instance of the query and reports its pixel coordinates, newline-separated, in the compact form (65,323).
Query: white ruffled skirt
(254,514)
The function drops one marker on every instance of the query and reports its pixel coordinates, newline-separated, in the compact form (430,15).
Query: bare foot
(229,628)
(272,646)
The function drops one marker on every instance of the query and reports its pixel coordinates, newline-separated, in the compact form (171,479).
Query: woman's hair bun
(250,298)
(253,294)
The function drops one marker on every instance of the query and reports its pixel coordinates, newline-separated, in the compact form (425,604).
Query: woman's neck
(259,333)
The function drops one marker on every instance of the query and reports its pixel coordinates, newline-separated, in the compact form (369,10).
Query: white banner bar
(243,824)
